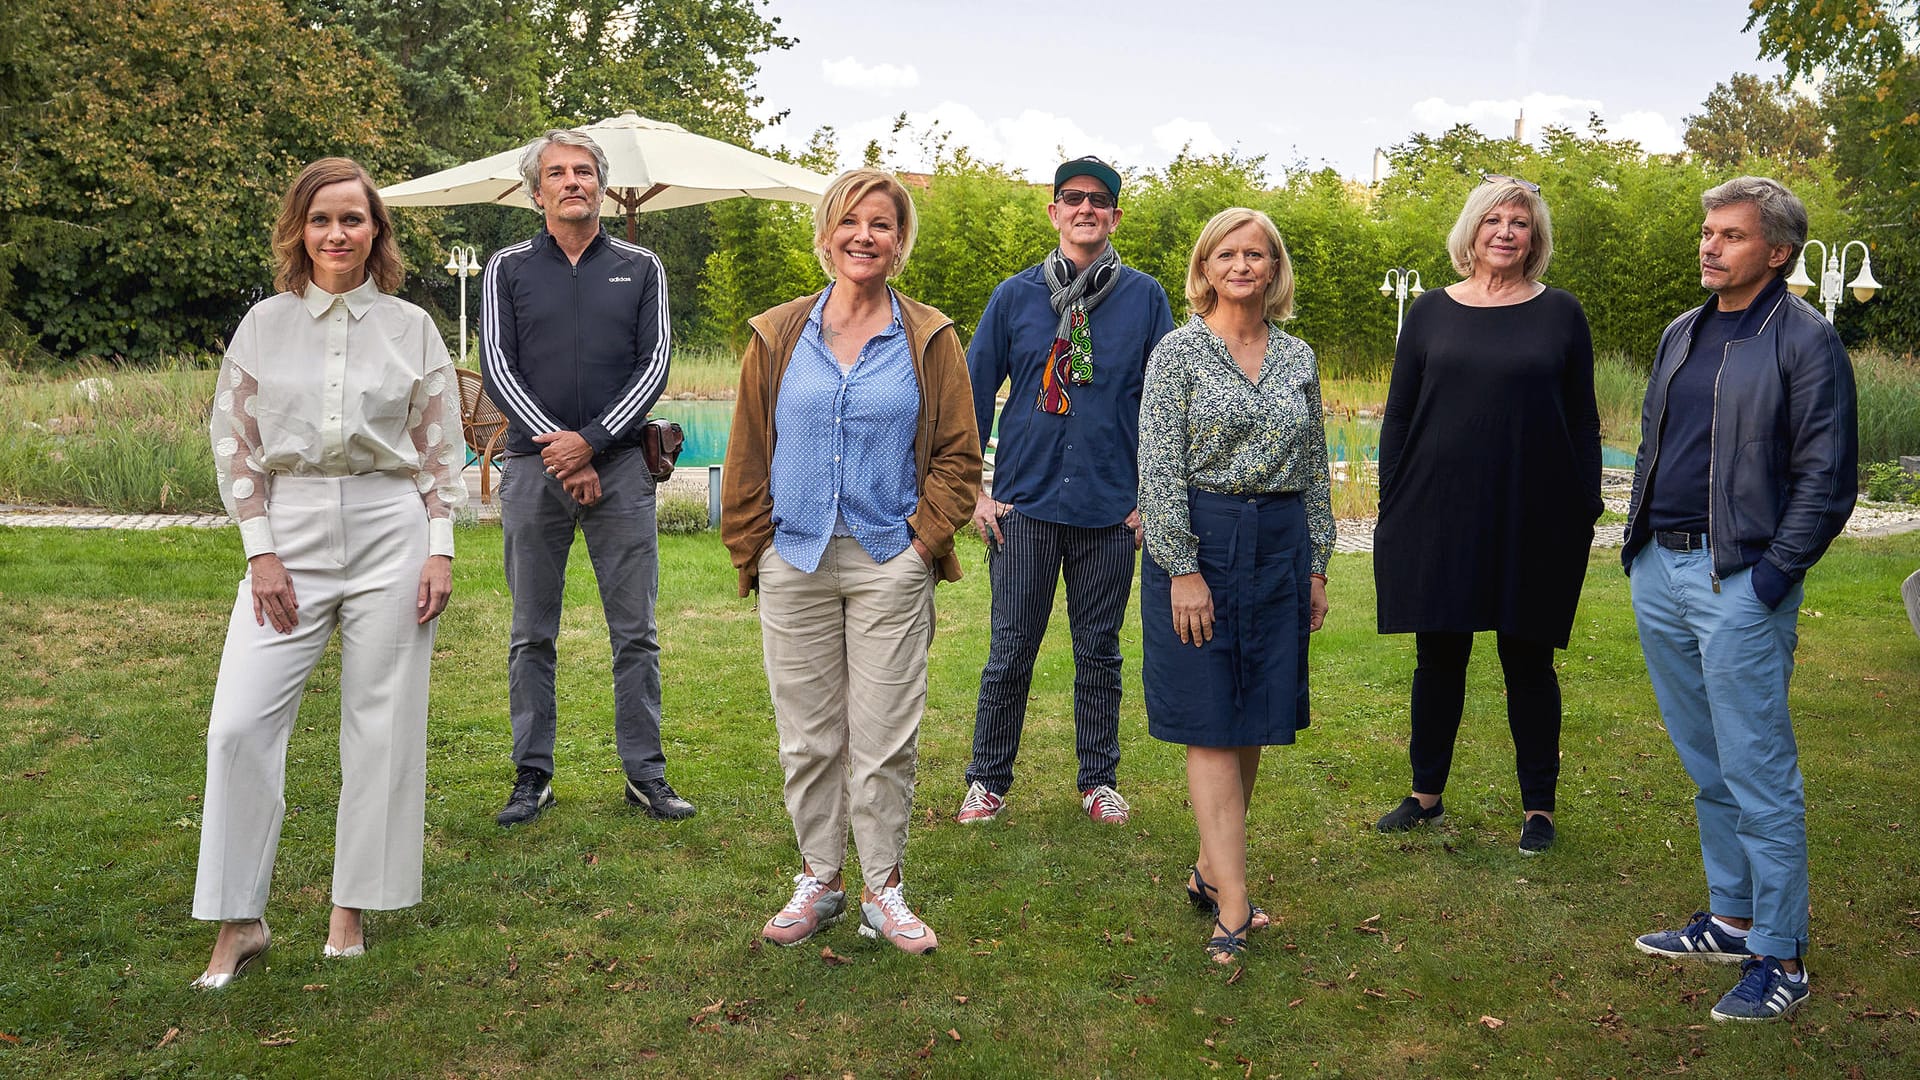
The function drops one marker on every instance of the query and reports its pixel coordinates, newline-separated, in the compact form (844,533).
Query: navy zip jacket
(1784,459)
(574,346)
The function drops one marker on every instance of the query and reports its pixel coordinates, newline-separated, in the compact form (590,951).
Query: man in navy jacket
(1070,340)
(575,338)
(1747,471)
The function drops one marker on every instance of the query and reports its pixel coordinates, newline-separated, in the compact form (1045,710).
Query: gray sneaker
(813,907)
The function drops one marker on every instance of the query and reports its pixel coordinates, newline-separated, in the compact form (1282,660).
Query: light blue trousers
(1720,664)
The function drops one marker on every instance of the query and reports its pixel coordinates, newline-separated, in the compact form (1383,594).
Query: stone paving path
(1355,535)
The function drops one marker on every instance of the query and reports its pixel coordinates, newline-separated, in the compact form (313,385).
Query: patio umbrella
(651,165)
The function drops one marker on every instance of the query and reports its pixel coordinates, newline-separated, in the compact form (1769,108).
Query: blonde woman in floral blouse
(336,436)
(1239,526)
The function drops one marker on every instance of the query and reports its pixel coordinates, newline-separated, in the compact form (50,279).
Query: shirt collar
(360,299)
(897,326)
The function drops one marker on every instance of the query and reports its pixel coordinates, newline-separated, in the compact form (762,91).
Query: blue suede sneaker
(1764,992)
(1698,940)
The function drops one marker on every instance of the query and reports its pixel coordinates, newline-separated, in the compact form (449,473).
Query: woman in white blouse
(336,433)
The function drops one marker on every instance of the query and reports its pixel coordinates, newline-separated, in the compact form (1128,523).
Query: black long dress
(1489,469)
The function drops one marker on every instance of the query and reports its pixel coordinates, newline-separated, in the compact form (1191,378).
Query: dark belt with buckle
(1681,541)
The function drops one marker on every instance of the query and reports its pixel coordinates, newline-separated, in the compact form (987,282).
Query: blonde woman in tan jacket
(852,460)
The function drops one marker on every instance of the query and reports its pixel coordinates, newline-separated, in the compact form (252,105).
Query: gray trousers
(538,519)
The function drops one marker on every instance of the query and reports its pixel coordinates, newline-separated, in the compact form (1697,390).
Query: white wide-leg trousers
(353,547)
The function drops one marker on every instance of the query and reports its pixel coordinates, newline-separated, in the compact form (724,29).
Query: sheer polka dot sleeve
(434,425)
(235,428)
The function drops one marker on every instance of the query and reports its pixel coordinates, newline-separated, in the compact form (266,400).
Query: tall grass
(1889,389)
(1619,387)
(118,439)
(707,372)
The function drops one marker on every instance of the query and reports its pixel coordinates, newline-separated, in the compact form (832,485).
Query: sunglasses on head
(1074,197)
(1502,178)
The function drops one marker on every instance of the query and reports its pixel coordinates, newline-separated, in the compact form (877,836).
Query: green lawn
(596,942)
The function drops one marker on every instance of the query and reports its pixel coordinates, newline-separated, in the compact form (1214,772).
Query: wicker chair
(484,426)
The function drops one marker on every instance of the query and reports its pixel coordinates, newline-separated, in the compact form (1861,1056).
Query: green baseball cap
(1088,166)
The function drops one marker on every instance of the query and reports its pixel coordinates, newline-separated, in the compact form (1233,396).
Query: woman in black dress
(1489,488)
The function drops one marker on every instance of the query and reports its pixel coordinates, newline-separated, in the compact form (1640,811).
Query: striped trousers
(1097,564)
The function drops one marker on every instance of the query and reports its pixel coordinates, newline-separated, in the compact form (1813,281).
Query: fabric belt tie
(1680,541)
(1243,548)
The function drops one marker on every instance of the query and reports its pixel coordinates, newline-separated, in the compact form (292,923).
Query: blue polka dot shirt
(843,446)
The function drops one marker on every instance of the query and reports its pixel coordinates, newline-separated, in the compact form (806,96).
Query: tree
(1747,116)
(1862,35)
(690,62)
(162,158)
(1872,99)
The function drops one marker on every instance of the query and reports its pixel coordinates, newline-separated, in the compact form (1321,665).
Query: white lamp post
(1401,283)
(1833,272)
(463,262)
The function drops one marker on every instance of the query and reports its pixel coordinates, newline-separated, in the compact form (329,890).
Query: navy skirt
(1248,686)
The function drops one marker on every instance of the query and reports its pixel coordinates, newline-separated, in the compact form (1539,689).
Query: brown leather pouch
(660,441)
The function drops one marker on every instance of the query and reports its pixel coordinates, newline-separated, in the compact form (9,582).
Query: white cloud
(1495,118)
(1655,133)
(1195,136)
(851,74)
(1031,143)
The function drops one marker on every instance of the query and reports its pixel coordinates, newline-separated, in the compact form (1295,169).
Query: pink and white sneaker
(886,915)
(1104,805)
(813,906)
(980,805)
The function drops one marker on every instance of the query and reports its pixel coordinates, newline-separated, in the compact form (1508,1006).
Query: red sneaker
(1104,805)
(980,805)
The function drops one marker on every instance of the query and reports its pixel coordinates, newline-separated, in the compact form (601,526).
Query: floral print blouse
(1203,425)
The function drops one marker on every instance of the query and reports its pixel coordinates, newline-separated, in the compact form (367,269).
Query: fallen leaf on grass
(959,999)
(602,913)
(833,959)
(279,1038)
(1371,992)
(1235,977)
(1143,999)
(590,859)
(1492,1023)
(953,1034)
(925,1051)
(706,1011)
(172,1034)
(311,987)
(1295,1003)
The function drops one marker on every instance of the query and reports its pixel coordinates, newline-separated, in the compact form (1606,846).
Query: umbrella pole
(633,236)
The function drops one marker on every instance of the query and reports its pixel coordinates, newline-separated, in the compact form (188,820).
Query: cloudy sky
(1024,81)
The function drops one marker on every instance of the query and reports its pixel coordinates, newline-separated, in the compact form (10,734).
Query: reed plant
(1889,395)
(126,440)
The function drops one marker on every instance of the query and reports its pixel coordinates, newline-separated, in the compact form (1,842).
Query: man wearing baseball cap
(1070,339)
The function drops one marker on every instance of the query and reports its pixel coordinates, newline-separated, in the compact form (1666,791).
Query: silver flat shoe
(209,981)
(330,953)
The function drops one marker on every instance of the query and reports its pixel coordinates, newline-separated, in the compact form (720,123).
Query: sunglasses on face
(1074,197)
(1501,178)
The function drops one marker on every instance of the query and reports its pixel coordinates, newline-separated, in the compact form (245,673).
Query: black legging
(1533,712)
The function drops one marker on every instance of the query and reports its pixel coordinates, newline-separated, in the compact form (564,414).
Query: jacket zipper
(1713,438)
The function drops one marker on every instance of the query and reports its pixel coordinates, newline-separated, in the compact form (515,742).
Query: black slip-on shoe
(1409,814)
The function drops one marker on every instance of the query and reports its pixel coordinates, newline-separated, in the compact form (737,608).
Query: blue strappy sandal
(1225,948)
(1200,895)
